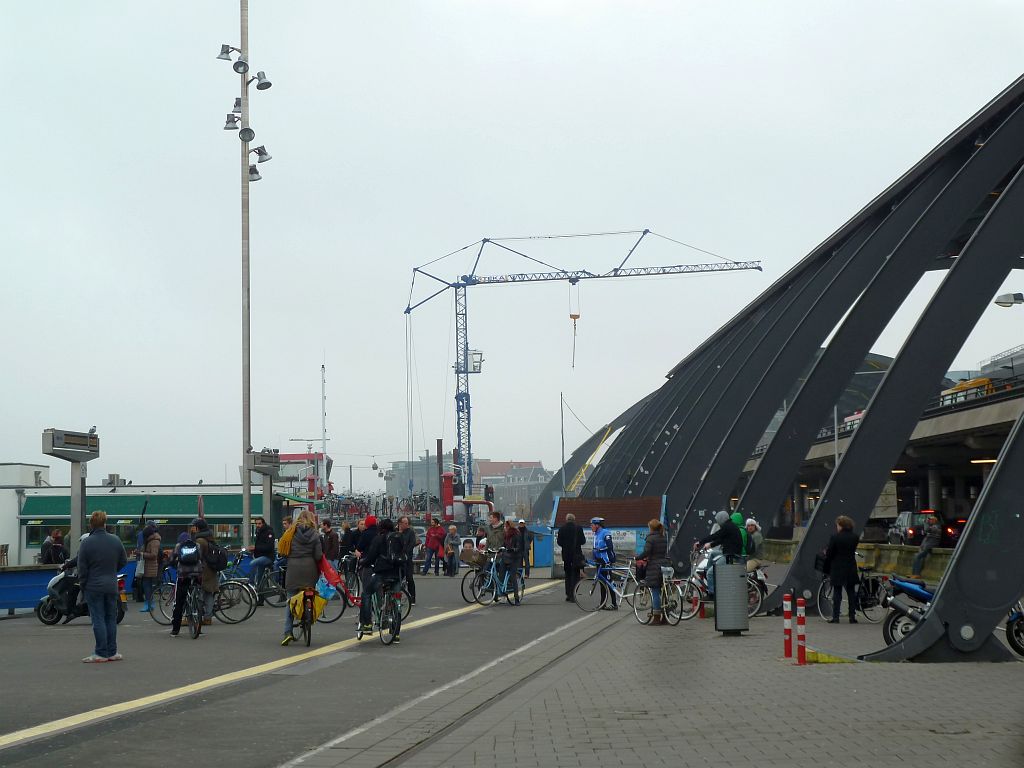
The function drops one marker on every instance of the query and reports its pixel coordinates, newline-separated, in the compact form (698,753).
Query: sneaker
(287,640)
(92,658)
(833,621)
(115,657)
(396,641)
(366,628)
(853,620)
(174,633)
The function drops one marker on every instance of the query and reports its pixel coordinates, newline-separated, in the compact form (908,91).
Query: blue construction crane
(469,361)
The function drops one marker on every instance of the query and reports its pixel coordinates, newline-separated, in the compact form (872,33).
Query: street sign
(71,446)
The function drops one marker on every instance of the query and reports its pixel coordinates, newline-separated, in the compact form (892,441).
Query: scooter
(63,599)
(903,617)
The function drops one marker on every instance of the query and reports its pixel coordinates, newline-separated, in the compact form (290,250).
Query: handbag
(641,569)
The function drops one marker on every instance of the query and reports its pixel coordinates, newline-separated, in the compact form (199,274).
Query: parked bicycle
(671,600)
(490,585)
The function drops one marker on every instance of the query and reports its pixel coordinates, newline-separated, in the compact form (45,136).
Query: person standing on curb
(330,542)
(100,557)
(755,545)
(434,547)
(841,567)
(932,537)
(570,540)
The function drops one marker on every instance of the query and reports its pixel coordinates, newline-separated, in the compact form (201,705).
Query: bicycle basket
(472,557)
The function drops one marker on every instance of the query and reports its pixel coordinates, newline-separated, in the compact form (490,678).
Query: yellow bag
(295,606)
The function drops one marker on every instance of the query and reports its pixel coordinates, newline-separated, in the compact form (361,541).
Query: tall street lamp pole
(240,114)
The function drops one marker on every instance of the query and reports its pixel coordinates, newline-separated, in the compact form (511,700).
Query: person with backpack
(409,543)
(385,562)
(188,559)
(604,554)
(214,561)
(303,564)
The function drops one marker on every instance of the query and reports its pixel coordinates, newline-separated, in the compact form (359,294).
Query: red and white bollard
(801,635)
(787,626)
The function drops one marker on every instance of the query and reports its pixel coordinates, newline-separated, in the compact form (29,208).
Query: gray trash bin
(731,597)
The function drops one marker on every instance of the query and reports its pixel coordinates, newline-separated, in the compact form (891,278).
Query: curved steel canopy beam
(985,576)
(894,409)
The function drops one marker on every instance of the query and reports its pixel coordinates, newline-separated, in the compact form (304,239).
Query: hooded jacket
(737,518)
(304,559)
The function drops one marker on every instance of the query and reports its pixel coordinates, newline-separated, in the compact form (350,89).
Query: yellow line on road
(103,713)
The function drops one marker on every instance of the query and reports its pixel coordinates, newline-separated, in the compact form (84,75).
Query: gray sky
(401,131)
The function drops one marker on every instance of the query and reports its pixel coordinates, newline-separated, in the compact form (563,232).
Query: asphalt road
(259,721)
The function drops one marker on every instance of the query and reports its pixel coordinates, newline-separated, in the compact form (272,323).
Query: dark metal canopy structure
(960,210)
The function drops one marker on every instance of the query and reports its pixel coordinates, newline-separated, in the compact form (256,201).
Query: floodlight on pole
(225,52)
(246,134)
(1009,299)
(241,66)
(261,154)
(262,82)
(254,174)
(237,109)
(231,124)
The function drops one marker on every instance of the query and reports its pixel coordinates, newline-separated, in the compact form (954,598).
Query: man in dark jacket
(727,537)
(366,539)
(100,557)
(932,538)
(409,544)
(841,567)
(330,542)
(262,552)
(571,540)
(384,561)
(527,539)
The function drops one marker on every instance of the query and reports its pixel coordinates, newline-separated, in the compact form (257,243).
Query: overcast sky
(400,132)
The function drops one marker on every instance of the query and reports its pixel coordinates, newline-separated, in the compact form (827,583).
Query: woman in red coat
(434,546)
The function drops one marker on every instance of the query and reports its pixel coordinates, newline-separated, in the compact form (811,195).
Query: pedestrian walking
(841,567)
(409,543)
(570,540)
(932,538)
(100,556)
(150,564)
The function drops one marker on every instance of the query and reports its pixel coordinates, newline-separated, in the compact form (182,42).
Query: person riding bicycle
(604,554)
(728,538)
(303,564)
(262,553)
(385,563)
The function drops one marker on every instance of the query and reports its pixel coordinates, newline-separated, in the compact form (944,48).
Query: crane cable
(574,315)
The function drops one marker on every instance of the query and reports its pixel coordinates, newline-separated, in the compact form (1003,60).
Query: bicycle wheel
(643,605)
(825,599)
(336,605)
(590,596)
(194,611)
(272,589)
(161,606)
(630,586)
(484,588)
(672,603)
(692,594)
(390,621)
(869,599)
(754,598)
(355,589)
(467,585)
(404,604)
(307,620)
(1015,634)
(233,603)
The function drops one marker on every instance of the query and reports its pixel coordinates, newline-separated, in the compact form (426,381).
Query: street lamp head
(241,66)
(247,135)
(261,154)
(262,83)
(237,109)
(1009,299)
(225,53)
(231,123)
(254,174)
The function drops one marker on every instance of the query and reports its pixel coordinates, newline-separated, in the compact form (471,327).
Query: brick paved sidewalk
(688,696)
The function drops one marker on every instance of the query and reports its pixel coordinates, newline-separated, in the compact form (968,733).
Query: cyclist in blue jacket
(604,553)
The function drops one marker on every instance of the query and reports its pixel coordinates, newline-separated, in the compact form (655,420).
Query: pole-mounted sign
(78,448)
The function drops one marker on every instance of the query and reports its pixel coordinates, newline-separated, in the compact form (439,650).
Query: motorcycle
(63,599)
(903,617)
